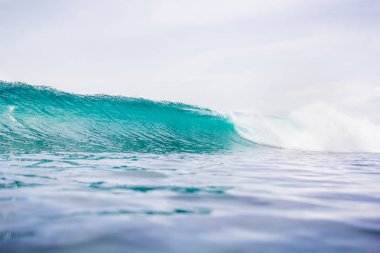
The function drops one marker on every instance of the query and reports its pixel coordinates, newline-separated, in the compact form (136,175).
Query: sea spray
(316,127)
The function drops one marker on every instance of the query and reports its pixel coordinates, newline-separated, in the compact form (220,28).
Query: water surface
(270,200)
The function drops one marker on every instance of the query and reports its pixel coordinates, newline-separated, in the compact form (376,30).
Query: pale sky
(254,56)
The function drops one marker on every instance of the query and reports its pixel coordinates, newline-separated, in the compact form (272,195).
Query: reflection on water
(262,200)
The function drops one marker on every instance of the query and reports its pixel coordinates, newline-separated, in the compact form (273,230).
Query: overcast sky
(255,56)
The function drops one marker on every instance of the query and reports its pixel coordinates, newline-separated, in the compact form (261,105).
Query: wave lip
(43,119)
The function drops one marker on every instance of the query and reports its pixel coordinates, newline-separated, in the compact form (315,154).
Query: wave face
(43,119)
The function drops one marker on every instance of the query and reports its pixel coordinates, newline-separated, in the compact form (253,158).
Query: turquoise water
(113,174)
(36,119)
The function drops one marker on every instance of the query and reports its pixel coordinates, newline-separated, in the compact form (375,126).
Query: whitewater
(100,173)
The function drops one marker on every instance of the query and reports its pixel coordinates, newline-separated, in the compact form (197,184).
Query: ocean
(115,174)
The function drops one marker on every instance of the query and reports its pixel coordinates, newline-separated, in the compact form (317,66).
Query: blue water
(113,174)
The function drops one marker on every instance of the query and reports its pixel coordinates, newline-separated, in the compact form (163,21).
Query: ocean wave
(36,118)
(43,119)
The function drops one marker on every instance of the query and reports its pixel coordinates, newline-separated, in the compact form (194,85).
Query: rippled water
(259,200)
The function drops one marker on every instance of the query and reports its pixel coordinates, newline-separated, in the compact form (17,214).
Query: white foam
(316,127)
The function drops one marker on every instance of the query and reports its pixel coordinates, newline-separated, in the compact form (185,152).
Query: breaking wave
(36,119)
